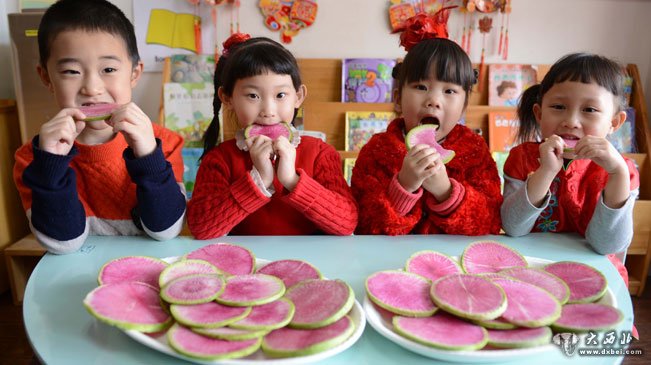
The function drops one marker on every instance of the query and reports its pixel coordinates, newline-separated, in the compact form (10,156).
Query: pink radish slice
(193,289)
(290,271)
(490,256)
(520,337)
(272,131)
(98,111)
(132,268)
(252,289)
(267,316)
(286,342)
(319,303)
(184,268)
(192,344)
(231,334)
(432,265)
(128,305)
(584,317)
(586,283)
(528,305)
(497,324)
(469,296)
(426,134)
(541,279)
(209,314)
(231,259)
(401,293)
(442,331)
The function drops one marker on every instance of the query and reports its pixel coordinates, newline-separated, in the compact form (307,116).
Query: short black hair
(441,57)
(88,15)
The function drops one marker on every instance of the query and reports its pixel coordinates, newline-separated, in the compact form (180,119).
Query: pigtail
(529,129)
(211,135)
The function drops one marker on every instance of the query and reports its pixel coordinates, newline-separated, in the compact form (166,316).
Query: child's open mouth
(430,120)
(570,142)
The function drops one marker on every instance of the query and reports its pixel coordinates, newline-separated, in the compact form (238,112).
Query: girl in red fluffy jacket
(401,190)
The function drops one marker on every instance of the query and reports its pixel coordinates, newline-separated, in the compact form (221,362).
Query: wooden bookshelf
(325,112)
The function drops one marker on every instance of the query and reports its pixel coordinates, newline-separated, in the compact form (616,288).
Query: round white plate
(385,328)
(159,342)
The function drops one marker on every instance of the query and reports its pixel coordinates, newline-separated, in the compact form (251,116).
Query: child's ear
(301,94)
(537,112)
(45,77)
(396,100)
(136,73)
(225,99)
(618,120)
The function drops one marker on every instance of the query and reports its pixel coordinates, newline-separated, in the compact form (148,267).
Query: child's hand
(261,151)
(417,166)
(58,135)
(602,152)
(438,184)
(551,155)
(286,163)
(136,127)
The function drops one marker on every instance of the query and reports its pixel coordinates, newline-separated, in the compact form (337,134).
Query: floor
(15,348)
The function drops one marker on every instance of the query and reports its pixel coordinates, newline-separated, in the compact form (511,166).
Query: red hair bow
(234,40)
(422,26)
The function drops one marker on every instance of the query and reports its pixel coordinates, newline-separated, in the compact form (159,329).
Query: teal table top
(61,331)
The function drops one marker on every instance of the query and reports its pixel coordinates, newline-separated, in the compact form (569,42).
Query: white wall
(540,32)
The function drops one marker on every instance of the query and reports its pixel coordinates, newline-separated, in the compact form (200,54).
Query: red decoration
(423,26)
(287,16)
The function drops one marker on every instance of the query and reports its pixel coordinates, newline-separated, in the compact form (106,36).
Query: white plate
(159,342)
(385,328)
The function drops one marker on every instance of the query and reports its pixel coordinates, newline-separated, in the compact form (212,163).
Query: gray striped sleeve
(518,214)
(611,230)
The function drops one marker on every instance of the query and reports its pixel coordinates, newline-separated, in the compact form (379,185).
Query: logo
(567,342)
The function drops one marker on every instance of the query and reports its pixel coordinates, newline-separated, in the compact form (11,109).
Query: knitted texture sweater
(386,208)
(226,200)
(101,190)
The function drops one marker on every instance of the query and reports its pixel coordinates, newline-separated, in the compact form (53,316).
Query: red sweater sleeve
(217,205)
(325,199)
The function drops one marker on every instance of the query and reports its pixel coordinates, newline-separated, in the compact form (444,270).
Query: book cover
(502,130)
(188,110)
(192,68)
(367,80)
(175,30)
(623,139)
(361,126)
(190,167)
(507,82)
(349,163)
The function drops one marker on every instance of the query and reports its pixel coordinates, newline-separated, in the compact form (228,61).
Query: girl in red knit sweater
(401,191)
(259,185)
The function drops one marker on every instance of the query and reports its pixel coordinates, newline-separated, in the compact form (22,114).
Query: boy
(103,177)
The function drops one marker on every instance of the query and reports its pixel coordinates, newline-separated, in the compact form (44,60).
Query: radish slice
(97,112)
(229,333)
(520,337)
(432,265)
(208,315)
(193,289)
(290,271)
(442,331)
(229,258)
(586,283)
(290,342)
(541,279)
(528,305)
(584,317)
(192,344)
(185,268)
(469,296)
(252,289)
(401,293)
(319,303)
(268,316)
(132,268)
(490,256)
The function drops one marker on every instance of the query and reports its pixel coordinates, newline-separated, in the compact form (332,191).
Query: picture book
(188,110)
(174,30)
(361,126)
(35,5)
(191,68)
(349,163)
(623,139)
(190,167)
(367,80)
(507,82)
(502,130)
(628,87)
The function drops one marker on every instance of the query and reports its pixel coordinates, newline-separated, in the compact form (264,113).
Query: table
(61,331)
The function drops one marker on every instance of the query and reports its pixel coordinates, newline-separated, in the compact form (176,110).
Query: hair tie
(234,40)
(476,73)
(422,26)
(395,72)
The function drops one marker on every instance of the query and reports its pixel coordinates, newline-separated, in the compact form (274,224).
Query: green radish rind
(316,348)
(243,335)
(451,308)
(590,299)
(283,323)
(343,310)
(229,355)
(248,303)
(98,117)
(114,261)
(567,328)
(495,324)
(395,310)
(247,130)
(174,310)
(165,295)
(566,296)
(163,278)
(141,327)
(472,347)
(428,252)
(464,255)
(542,339)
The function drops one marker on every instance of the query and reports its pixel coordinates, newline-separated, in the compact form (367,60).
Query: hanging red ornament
(288,16)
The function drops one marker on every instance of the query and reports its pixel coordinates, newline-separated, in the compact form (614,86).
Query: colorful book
(190,167)
(349,163)
(192,68)
(174,30)
(361,126)
(367,80)
(502,130)
(188,110)
(507,82)
(623,139)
